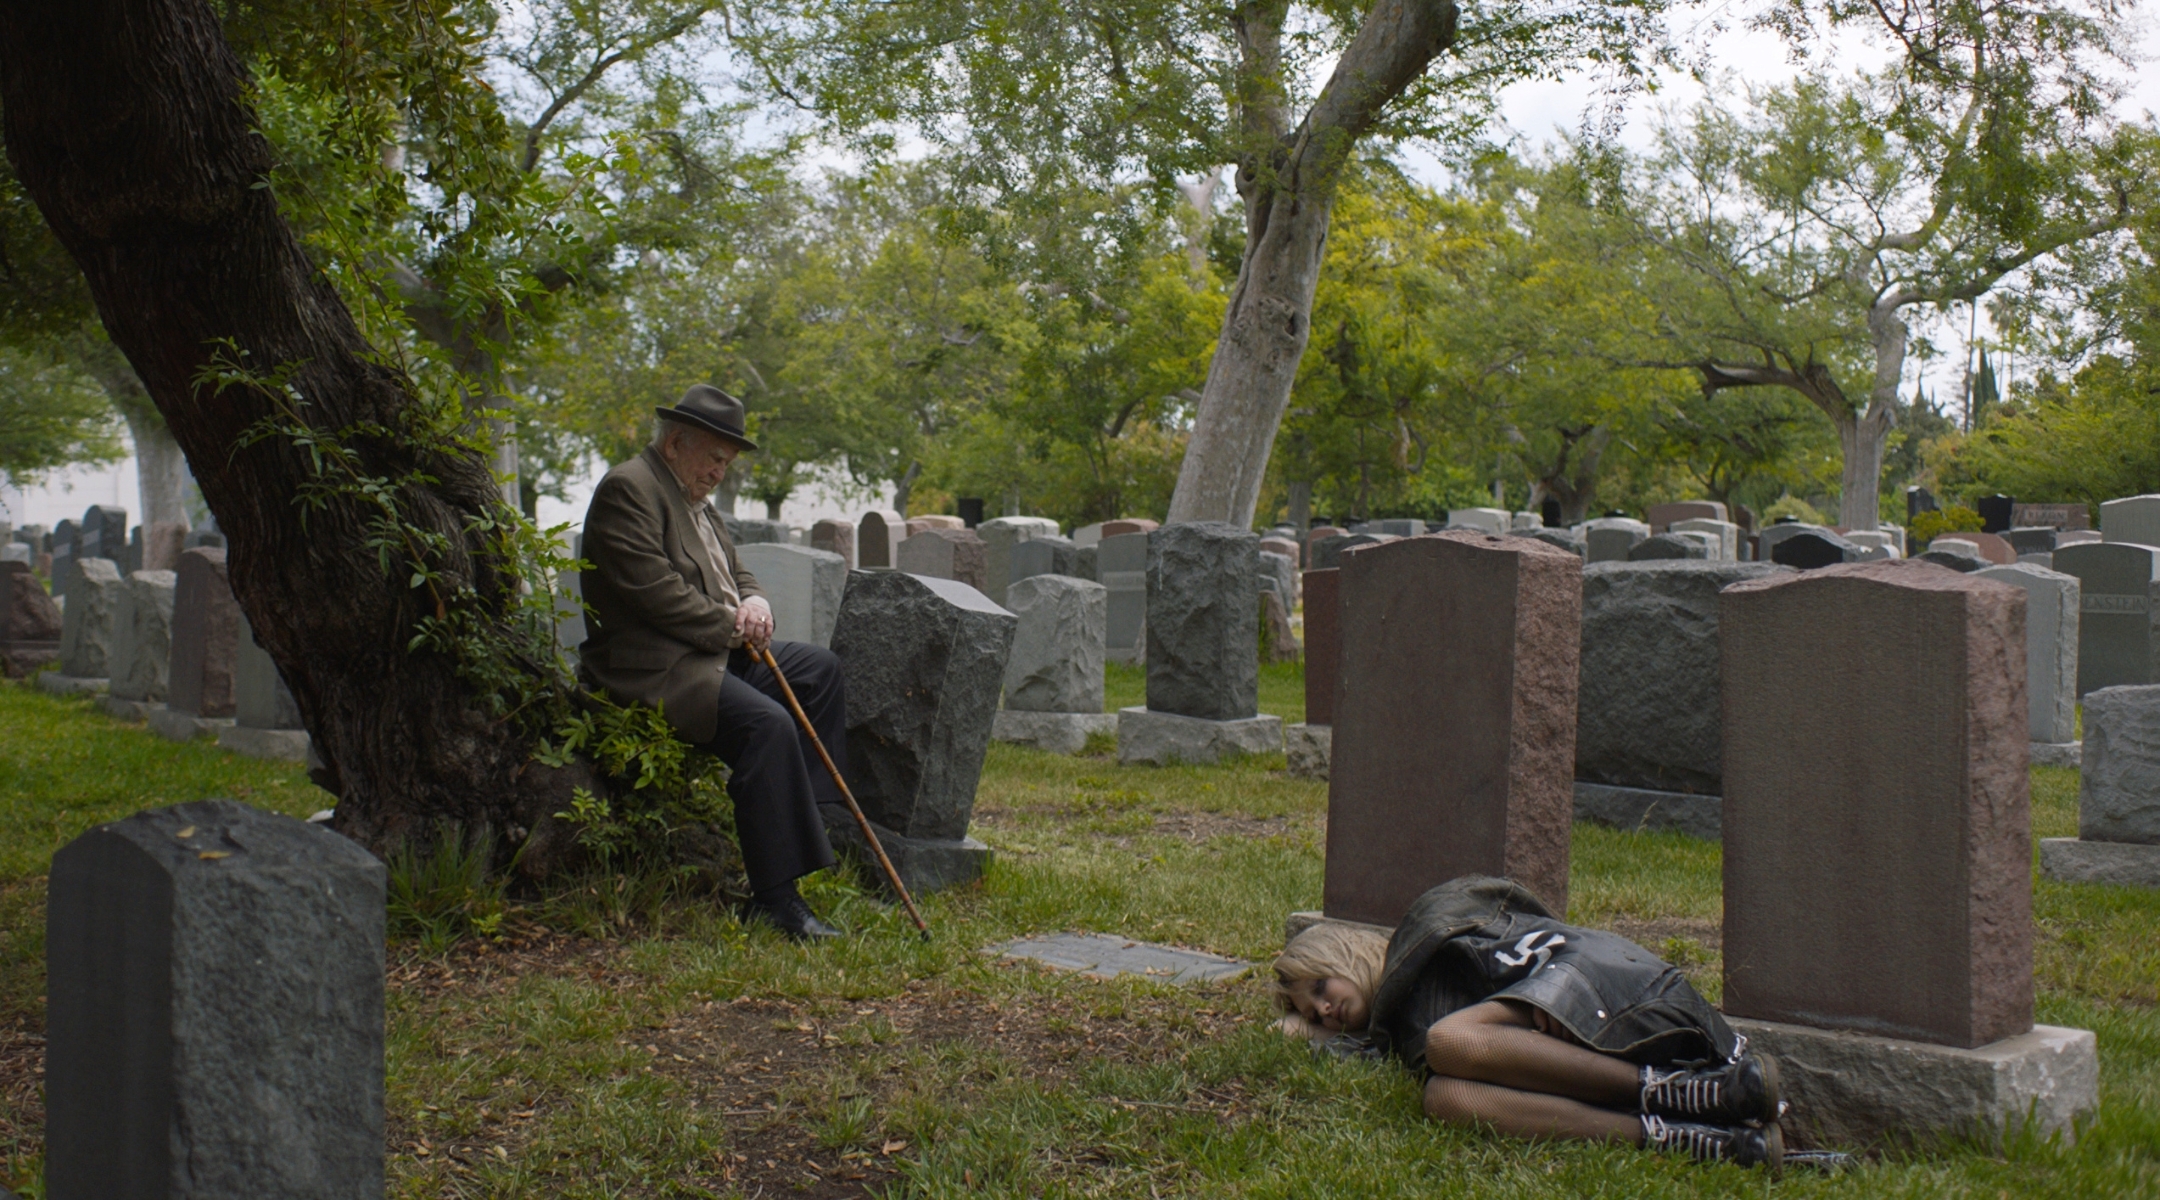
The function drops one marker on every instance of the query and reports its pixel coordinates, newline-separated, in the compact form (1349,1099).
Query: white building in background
(65,494)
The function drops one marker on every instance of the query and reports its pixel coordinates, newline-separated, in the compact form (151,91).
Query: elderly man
(673,618)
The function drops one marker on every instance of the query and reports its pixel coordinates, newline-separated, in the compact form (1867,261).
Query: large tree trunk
(1288,181)
(1862,434)
(128,123)
(161,470)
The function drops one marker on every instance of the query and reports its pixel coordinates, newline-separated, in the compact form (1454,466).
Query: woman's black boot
(1745,1089)
(1744,1145)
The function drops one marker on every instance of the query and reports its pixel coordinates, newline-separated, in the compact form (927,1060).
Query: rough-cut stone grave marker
(924,660)
(1054,677)
(214,1024)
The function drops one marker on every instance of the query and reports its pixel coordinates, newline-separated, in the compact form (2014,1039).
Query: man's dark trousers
(778,782)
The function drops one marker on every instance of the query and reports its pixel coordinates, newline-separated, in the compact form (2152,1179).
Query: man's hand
(754,622)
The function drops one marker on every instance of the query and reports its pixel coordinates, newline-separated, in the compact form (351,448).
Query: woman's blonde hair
(1330,951)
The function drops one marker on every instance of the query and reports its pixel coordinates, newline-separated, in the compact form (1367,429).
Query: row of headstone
(1456,747)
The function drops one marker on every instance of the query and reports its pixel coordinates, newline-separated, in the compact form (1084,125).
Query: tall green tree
(1038,98)
(1803,234)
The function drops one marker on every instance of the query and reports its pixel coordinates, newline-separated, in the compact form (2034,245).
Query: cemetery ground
(617,1042)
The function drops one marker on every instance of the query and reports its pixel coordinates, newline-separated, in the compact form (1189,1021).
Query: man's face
(699,458)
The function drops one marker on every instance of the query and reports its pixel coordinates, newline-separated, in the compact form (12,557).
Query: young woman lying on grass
(1536,1028)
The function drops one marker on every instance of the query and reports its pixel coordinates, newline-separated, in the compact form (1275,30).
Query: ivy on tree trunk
(129,123)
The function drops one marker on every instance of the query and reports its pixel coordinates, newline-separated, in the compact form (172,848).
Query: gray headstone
(2119,786)
(1048,555)
(803,586)
(1727,534)
(17,552)
(1121,562)
(2051,646)
(1560,538)
(1814,549)
(205,637)
(2036,539)
(999,536)
(104,533)
(1769,536)
(1661,546)
(1648,709)
(32,536)
(1088,535)
(2117,582)
(92,605)
(1608,539)
(924,661)
(260,698)
(1279,574)
(955,554)
(1085,561)
(66,540)
(1401,527)
(1484,520)
(214,1016)
(755,531)
(1328,551)
(2131,519)
(1203,632)
(1954,560)
(203,537)
(1057,651)
(142,636)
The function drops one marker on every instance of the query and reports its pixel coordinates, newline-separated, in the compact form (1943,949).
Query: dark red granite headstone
(1454,739)
(205,637)
(1877,827)
(1323,643)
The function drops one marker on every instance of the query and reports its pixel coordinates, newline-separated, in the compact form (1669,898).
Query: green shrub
(1928,526)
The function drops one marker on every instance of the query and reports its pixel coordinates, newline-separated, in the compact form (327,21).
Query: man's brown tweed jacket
(660,625)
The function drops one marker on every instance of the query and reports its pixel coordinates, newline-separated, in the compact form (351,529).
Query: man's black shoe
(790,914)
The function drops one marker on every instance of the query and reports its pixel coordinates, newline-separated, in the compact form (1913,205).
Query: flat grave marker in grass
(1099,956)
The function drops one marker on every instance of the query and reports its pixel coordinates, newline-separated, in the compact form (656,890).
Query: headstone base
(1644,811)
(70,685)
(1307,748)
(925,864)
(1304,919)
(128,710)
(1059,733)
(1159,739)
(1849,1090)
(186,727)
(2075,860)
(2058,754)
(20,660)
(280,745)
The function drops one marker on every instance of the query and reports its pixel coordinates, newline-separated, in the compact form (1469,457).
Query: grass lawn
(689,1057)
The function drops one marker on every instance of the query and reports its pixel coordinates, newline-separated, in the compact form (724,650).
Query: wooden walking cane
(765,656)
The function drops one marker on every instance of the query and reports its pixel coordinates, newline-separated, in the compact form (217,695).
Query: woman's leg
(1494,1067)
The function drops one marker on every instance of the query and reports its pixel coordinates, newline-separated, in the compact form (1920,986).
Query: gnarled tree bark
(1288,181)
(128,123)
